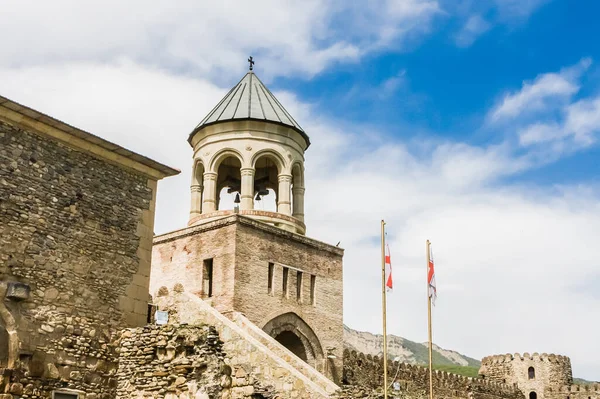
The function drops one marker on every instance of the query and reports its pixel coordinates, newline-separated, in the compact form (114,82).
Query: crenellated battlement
(370,367)
(580,388)
(549,357)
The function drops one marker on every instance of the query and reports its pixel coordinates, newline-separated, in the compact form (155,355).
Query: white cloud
(206,38)
(505,254)
(475,26)
(546,115)
(547,91)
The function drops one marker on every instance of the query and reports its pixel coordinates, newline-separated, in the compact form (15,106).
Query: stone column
(196,206)
(209,203)
(247,194)
(283,201)
(298,212)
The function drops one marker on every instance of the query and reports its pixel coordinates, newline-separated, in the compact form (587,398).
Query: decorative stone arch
(289,328)
(223,154)
(279,161)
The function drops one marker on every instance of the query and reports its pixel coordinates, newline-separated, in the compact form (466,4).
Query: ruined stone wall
(549,371)
(171,361)
(255,249)
(252,362)
(178,257)
(75,232)
(366,371)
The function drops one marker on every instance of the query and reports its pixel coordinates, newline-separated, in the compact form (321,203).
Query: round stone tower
(248,148)
(535,375)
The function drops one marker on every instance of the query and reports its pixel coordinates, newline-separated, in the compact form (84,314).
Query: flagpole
(383,302)
(429,325)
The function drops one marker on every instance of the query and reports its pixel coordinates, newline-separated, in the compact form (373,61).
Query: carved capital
(210,176)
(247,171)
(284,178)
(196,188)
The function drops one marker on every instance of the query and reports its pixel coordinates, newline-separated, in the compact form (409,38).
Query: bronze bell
(237,198)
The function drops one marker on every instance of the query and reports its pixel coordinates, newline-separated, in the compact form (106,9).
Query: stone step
(245,352)
(300,365)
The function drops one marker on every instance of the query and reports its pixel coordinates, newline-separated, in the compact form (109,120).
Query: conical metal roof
(250,99)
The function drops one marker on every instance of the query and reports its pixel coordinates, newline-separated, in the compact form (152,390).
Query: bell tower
(249,148)
(245,249)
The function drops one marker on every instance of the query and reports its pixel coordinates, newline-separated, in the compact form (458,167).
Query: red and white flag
(388,269)
(431,278)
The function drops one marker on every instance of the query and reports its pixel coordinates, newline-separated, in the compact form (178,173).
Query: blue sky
(470,123)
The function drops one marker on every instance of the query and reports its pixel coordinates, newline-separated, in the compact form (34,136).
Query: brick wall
(241,250)
(255,249)
(77,230)
(178,258)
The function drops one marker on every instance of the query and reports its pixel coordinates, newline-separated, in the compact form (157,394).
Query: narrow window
(313,283)
(150,315)
(270,278)
(531,373)
(207,278)
(285,281)
(299,287)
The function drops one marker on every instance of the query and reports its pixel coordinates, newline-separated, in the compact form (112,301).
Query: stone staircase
(251,353)
(307,370)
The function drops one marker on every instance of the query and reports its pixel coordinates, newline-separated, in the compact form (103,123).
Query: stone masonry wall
(255,248)
(550,371)
(366,372)
(241,249)
(171,362)
(178,258)
(252,363)
(576,391)
(75,241)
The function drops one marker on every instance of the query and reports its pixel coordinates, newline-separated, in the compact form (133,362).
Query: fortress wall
(367,371)
(550,371)
(75,242)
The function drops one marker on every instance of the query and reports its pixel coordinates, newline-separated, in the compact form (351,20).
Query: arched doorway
(292,342)
(532,395)
(298,337)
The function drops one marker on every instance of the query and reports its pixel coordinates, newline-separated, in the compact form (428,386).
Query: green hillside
(467,371)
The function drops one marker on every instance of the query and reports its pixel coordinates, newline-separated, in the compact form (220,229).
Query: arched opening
(290,323)
(266,202)
(292,342)
(266,183)
(228,183)
(531,373)
(532,395)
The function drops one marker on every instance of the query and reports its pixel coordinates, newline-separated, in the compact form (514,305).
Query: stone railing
(281,351)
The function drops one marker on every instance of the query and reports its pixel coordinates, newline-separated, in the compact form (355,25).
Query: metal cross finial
(251,62)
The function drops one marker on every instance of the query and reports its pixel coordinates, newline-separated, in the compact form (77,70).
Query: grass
(467,371)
